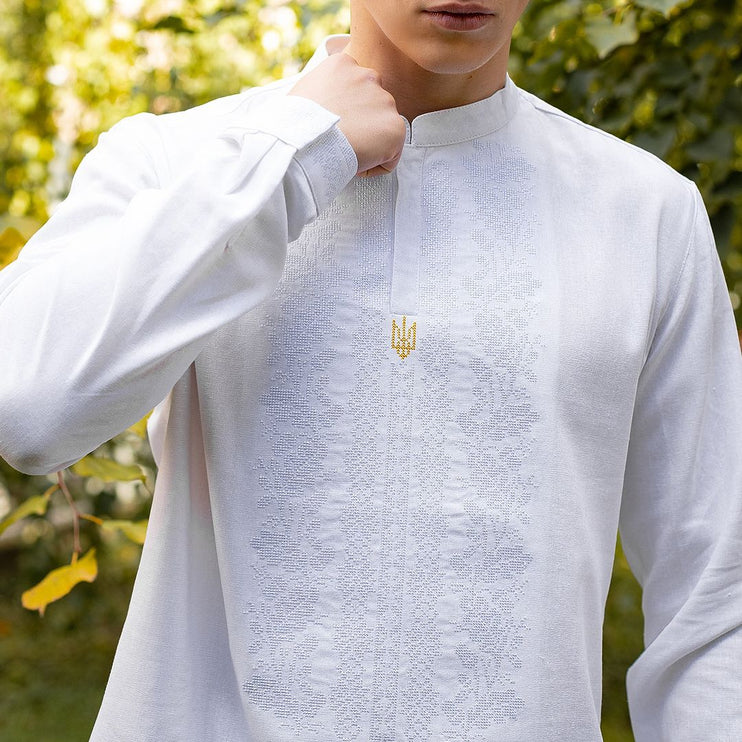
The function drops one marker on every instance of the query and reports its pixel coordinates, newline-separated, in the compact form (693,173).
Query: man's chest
(432,327)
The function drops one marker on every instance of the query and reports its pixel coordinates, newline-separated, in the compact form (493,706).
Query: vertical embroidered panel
(393,494)
(467,566)
(361,460)
(388,639)
(499,414)
(298,424)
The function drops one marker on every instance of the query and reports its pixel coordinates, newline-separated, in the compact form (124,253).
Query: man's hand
(368,114)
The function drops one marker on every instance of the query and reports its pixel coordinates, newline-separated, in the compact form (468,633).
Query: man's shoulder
(181,132)
(598,155)
(211,113)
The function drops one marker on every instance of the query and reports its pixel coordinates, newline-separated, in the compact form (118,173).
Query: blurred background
(664,75)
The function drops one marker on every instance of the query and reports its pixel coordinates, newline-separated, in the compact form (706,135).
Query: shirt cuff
(322,150)
(330,163)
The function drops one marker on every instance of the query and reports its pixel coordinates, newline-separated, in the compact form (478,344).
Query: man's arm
(114,298)
(681,518)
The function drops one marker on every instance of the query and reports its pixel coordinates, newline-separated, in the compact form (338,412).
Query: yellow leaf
(134,530)
(33,506)
(140,428)
(92,518)
(108,470)
(60,581)
(11,242)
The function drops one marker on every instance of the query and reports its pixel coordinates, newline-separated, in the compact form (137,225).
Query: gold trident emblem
(403,339)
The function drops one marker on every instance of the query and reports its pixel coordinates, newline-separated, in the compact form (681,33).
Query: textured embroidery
(368,567)
(475,447)
(298,427)
(386,534)
(404,339)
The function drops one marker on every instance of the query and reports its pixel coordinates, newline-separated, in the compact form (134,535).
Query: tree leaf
(172,23)
(722,224)
(60,581)
(133,530)
(731,187)
(657,141)
(606,35)
(33,506)
(108,470)
(661,6)
(718,146)
(11,242)
(140,428)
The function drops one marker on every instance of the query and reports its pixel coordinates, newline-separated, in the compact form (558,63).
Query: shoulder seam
(549,110)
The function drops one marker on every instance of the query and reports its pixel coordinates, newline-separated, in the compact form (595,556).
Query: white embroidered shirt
(403,418)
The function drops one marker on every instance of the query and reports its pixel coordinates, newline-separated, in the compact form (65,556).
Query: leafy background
(662,74)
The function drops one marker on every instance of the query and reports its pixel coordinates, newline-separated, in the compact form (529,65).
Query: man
(403,415)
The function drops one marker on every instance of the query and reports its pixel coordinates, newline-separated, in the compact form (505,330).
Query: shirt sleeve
(113,299)
(681,518)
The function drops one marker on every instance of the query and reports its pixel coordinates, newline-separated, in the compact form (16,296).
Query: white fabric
(355,541)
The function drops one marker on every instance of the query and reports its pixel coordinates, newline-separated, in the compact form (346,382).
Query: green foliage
(106,496)
(622,643)
(606,34)
(71,69)
(53,670)
(33,506)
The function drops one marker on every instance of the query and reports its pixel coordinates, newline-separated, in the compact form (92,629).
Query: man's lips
(459,16)
(461,9)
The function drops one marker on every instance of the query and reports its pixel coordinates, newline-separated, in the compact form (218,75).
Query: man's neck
(417,90)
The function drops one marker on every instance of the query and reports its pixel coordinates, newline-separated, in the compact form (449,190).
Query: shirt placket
(389,660)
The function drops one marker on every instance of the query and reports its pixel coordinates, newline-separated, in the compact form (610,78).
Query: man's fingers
(368,114)
(383,169)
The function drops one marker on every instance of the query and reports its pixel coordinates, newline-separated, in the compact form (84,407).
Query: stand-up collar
(449,125)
